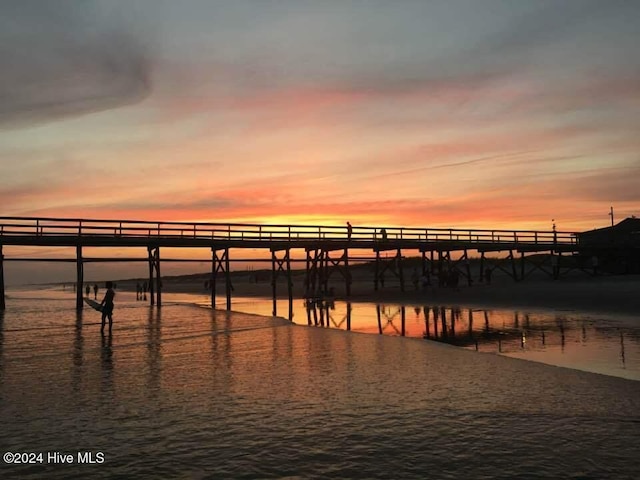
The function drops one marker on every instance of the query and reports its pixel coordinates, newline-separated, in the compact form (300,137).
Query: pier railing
(78,227)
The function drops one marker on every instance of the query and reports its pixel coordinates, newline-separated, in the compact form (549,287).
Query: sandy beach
(611,294)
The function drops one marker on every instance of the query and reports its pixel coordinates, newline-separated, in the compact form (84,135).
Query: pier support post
(79,278)
(376,274)
(347,273)
(324,272)
(393,264)
(212,278)
(332,265)
(319,268)
(2,304)
(158,278)
(281,265)
(400,272)
(558,262)
(227,277)
(312,273)
(274,277)
(155,292)
(220,263)
(289,284)
(427,264)
(152,298)
(513,265)
(467,265)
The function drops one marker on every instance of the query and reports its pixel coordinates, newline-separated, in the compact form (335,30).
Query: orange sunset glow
(456,114)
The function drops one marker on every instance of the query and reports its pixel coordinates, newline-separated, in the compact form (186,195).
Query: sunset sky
(469,114)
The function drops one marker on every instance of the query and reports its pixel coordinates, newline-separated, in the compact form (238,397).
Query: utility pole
(611,215)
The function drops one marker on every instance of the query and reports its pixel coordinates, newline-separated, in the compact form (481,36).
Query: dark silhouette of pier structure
(327,249)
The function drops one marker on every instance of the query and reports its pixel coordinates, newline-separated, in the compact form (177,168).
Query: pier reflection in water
(601,344)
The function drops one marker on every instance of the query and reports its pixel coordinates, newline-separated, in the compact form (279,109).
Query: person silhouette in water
(107,307)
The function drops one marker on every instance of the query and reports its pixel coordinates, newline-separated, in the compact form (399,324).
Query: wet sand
(610,294)
(186,392)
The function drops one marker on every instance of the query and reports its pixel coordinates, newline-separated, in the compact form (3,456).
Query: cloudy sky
(456,113)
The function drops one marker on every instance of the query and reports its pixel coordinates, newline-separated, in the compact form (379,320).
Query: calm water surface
(606,344)
(188,392)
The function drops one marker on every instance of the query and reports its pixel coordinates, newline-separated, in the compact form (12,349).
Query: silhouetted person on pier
(95,291)
(383,234)
(349,231)
(107,307)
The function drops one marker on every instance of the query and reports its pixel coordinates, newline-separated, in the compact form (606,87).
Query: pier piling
(79,278)
(2,304)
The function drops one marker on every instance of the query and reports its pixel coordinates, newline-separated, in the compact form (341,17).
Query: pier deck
(318,241)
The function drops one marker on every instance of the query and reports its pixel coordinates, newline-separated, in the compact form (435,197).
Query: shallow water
(605,344)
(187,392)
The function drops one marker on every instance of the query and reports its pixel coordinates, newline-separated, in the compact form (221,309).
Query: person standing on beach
(107,307)
(87,290)
(95,291)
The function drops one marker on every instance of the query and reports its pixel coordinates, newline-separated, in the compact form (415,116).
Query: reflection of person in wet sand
(107,307)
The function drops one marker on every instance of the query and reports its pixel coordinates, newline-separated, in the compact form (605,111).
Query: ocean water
(190,392)
(598,343)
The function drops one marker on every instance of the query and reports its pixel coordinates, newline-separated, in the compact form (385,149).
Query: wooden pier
(327,249)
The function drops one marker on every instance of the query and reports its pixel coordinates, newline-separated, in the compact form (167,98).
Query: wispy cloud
(58,60)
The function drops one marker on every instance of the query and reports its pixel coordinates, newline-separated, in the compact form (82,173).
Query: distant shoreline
(618,294)
(611,294)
